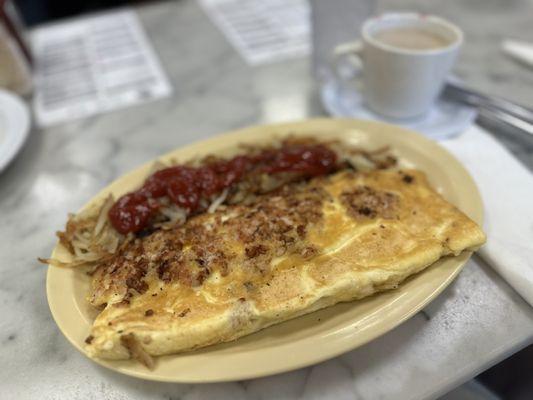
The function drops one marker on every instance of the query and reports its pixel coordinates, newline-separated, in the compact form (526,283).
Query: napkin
(506,187)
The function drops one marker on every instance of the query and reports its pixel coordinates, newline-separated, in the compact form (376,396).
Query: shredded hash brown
(91,239)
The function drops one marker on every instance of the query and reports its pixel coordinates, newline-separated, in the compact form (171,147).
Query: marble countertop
(475,323)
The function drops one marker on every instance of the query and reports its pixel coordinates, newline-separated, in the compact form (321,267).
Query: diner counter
(477,321)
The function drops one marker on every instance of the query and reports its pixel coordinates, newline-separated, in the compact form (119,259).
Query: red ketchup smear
(186,186)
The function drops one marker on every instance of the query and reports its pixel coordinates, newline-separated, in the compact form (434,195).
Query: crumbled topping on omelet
(247,236)
(366,202)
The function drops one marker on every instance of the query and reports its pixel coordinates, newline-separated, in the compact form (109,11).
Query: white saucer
(14,126)
(444,120)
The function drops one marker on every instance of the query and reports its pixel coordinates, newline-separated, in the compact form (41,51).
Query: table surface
(476,322)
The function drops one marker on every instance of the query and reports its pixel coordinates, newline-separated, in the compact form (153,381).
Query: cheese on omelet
(307,246)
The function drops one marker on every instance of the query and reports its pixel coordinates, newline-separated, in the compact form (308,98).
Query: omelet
(244,267)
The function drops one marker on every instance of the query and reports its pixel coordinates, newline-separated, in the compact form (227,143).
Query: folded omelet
(306,246)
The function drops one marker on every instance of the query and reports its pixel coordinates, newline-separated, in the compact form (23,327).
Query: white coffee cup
(398,81)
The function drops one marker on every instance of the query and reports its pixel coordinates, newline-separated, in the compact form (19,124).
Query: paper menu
(94,64)
(263,31)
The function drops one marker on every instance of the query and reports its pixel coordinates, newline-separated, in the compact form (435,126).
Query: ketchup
(308,160)
(186,186)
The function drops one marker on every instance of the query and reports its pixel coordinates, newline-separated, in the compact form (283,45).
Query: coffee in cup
(411,38)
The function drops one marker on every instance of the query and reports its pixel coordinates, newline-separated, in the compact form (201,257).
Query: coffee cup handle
(347,63)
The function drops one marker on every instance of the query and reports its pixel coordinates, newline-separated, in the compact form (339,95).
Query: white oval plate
(14,126)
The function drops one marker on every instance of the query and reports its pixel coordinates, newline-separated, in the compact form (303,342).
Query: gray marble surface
(476,322)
